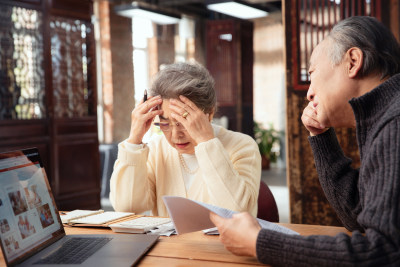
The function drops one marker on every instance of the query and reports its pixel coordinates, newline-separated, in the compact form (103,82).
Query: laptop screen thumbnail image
(29,218)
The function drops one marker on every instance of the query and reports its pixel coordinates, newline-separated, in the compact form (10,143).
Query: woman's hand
(141,118)
(195,121)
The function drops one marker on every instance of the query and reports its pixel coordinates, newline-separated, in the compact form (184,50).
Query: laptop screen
(29,219)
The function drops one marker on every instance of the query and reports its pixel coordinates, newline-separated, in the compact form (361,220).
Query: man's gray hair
(380,48)
(191,80)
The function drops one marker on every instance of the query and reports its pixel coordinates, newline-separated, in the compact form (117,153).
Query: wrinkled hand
(197,123)
(239,233)
(141,118)
(310,120)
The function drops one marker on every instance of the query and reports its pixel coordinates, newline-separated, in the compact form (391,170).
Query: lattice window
(71,56)
(22,89)
(316,19)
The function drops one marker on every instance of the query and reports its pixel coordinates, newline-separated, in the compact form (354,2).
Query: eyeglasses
(166,126)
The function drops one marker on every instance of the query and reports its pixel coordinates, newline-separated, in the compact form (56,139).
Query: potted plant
(268,140)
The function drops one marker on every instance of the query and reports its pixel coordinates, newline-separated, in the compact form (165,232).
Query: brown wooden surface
(198,249)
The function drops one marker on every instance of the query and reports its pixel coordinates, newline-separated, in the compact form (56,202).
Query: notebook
(31,230)
(95,218)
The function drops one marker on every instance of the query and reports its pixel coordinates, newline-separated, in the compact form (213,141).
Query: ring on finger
(185,114)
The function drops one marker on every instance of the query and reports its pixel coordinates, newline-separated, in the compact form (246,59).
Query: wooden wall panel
(165,44)
(308,203)
(121,52)
(48,93)
(75,180)
(230,62)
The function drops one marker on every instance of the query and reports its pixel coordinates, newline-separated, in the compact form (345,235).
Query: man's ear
(355,59)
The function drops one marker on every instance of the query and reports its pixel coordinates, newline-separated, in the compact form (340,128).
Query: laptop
(31,231)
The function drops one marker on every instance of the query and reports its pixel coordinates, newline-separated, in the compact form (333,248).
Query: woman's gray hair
(191,80)
(380,48)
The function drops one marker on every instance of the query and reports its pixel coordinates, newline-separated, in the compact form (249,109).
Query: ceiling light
(237,9)
(141,10)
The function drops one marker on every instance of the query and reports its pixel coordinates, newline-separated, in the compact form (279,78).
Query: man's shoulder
(394,107)
(391,115)
(392,110)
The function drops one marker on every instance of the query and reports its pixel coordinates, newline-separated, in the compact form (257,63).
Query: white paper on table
(190,216)
(166,229)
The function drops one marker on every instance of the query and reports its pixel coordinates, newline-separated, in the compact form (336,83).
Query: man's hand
(238,234)
(310,120)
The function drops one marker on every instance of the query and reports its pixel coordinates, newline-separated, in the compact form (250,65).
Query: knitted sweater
(366,199)
(229,174)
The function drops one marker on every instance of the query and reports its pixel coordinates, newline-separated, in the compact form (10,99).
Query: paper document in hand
(190,216)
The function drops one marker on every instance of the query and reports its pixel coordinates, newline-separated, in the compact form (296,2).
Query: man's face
(330,89)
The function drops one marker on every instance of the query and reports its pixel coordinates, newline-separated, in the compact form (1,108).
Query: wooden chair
(267,209)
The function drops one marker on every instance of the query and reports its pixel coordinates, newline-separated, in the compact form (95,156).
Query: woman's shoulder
(234,138)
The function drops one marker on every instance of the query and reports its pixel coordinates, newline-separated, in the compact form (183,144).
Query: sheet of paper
(189,215)
(166,229)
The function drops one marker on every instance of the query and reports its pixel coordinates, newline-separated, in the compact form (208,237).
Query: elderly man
(355,82)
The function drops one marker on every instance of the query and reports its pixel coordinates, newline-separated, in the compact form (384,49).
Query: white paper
(211,231)
(190,216)
(166,229)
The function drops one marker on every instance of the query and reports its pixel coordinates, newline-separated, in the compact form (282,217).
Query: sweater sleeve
(233,178)
(372,249)
(338,179)
(379,195)
(132,182)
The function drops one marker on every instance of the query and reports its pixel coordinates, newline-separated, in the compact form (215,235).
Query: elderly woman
(193,158)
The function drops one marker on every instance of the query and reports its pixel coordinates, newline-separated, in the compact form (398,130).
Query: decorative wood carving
(70,65)
(21,64)
(314,20)
(48,93)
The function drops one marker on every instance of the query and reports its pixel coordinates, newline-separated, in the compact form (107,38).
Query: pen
(145,96)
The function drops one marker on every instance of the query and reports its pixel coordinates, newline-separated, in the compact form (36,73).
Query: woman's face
(177,136)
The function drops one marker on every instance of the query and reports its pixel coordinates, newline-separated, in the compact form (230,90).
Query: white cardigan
(229,175)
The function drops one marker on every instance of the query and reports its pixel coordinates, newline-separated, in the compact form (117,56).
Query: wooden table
(198,249)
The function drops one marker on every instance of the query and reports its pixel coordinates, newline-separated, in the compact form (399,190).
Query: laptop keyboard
(75,250)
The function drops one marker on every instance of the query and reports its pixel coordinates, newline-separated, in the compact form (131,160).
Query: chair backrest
(267,208)
(108,155)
